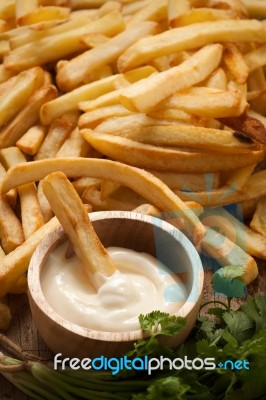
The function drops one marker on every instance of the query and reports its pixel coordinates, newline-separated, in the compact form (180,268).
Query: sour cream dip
(141,284)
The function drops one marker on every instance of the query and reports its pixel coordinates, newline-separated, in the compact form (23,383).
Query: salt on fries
(175,87)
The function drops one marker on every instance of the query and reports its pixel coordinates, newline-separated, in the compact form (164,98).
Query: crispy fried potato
(161,158)
(221,141)
(27,117)
(258,222)
(73,216)
(78,70)
(48,13)
(145,95)
(11,233)
(31,141)
(145,184)
(191,37)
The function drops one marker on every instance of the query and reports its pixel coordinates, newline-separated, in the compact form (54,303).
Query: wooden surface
(24,333)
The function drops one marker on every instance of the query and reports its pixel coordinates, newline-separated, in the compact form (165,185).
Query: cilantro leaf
(225,281)
(170,388)
(255,308)
(160,323)
(239,325)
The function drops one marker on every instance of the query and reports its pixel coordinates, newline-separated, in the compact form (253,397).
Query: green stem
(216,302)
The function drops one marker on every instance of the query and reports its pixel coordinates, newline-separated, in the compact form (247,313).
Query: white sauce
(138,287)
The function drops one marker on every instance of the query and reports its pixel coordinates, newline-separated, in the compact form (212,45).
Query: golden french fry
(249,127)
(92,118)
(52,48)
(256,58)
(147,94)
(175,9)
(23,87)
(69,101)
(45,207)
(11,196)
(25,7)
(256,8)
(191,182)
(11,233)
(217,80)
(237,65)
(254,188)
(133,7)
(206,102)
(107,188)
(258,222)
(81,184)
(16,262)
(8,9)
(239,177)
(59,130)
(48,13)
(250,241)
(142,182)
(5,73)
(203,14)
(227,252)
(175,160)
(74,146)
(73,216)
(20,287)
(153,11)
(27,117)
(94,39)
(191,37)
(124,199)
(31,215)
(147,209)
(77,71)
(221,141)
(31,141)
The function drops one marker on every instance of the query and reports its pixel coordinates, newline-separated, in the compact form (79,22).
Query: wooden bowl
(133,231)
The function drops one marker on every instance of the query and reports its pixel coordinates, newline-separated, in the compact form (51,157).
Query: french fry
(133,7)
(258,222)
(239,177)
(23,8)
(147,94)
(191,182)
(227,252)
(48,13)
(20,287)
(203,14)
(153,11)
(23,87)
(11,233)
(31,141)
(124,199)
(45,207)
(250,241)
(175,9)
(69,101)
(256,58)
(74,146)
(107,188)
(248,125)
(73,216)
(147,209)
(145,184)
(27,117)
(254,188)
(221,141)
(92,118)
(191,37)
(78,70)
(16,262)
(207,102)
(94,39)
(83,183)
(31,215)
(5,74)
(58,132)
(11,196)
(175,160)
(52,48)
(8,9)
(217,80)
(256,8)
(237,65)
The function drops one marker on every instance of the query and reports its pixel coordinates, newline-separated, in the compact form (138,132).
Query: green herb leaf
(239,325)
(159,323)
(225,281)
(170,388)
(255,308)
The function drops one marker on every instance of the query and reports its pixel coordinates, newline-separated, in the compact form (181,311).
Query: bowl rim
(58,235)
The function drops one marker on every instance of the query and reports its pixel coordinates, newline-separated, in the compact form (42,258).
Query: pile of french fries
(157,106)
